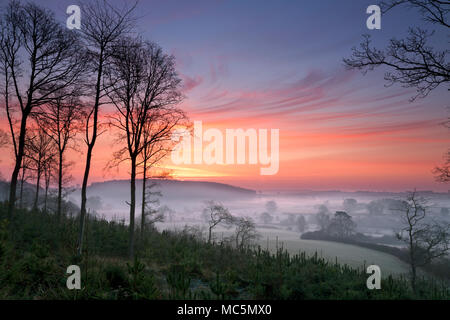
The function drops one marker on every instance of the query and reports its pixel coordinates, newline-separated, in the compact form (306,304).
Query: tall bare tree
(144,88)
(25,174)
(38,58)
(102,25)
(157,144)
(49,169)
(60,120)
(425,240)
(41,150)
(3,142)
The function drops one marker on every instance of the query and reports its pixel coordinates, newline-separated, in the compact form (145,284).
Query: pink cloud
(190,83)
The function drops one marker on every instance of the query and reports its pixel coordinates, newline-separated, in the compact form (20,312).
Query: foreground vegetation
(36,249)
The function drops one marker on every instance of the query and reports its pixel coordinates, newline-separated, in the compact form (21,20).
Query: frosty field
(352,255)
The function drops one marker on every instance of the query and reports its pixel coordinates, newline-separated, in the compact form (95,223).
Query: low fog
(182,202)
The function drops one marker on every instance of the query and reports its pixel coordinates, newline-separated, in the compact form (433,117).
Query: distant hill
(118,191)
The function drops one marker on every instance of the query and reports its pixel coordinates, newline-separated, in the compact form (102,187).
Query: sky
(278,65)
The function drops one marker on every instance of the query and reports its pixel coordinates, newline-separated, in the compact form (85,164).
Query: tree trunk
(38,182)
(60,176)
(84,199)
(89,152)
(15,173)
(45,198)
(412,258)
(12,189)
(209,234)
(132,206)
(22,180)
(144,179)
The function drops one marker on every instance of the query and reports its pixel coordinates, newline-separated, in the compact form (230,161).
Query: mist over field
(374,212)
(183,202)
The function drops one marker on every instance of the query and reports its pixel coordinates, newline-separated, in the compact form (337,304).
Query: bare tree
(442,173)
(49,169)
(41,150)
(144,88)
(215,213)
(157,144)
(150,202)
(38,58)
(425,241)
(245,232)
(25,175)
(432,11)
(3,142)
(60,120)
(102,25)
(412,61)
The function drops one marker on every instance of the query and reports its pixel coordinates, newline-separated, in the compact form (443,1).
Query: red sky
(265,66)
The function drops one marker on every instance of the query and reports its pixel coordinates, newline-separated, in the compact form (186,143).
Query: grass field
(352,255)
(346,254)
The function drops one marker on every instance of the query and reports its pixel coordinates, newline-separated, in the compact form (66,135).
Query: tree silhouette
(144,88)
(38,58)
(157,144)
(49,170)
(102,26)
(245,232)
(60,120)
(425,241)
(40,151)
(412,62)
(341,225)
(215,214)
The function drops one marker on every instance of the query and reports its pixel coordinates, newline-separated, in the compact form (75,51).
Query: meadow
(273,239)
(36,249)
